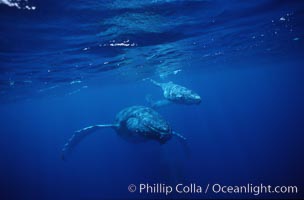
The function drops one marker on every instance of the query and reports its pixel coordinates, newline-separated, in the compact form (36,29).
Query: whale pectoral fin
(149,99)
(155,82)
(183,142)
(160,103)
(79,135)
(179,136)
(156,104)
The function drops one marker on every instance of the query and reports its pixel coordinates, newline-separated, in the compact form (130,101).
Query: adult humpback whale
(135,124)
(174,93)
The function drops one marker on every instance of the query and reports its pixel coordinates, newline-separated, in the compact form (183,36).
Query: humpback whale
(134,124)
(174,93)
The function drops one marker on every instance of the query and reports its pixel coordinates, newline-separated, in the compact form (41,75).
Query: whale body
(174,93)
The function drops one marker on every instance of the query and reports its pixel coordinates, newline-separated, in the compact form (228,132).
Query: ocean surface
(65,65)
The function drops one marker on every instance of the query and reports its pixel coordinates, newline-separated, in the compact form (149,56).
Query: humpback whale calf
(135,124)
(174,93)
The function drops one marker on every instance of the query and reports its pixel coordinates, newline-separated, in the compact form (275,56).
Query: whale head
(145,123)
(194,98)
(159,129)
(188,97)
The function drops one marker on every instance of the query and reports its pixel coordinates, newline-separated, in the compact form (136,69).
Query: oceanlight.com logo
(194,188)
(254,189)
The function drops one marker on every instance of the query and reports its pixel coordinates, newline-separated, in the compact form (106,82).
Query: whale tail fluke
(79,135)
(183,141)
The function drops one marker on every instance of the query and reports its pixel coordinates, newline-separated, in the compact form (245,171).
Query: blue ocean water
(65,65)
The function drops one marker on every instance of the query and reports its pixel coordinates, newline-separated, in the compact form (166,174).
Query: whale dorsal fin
(79,135)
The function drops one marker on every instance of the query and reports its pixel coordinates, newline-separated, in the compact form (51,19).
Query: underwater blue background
(68,64)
